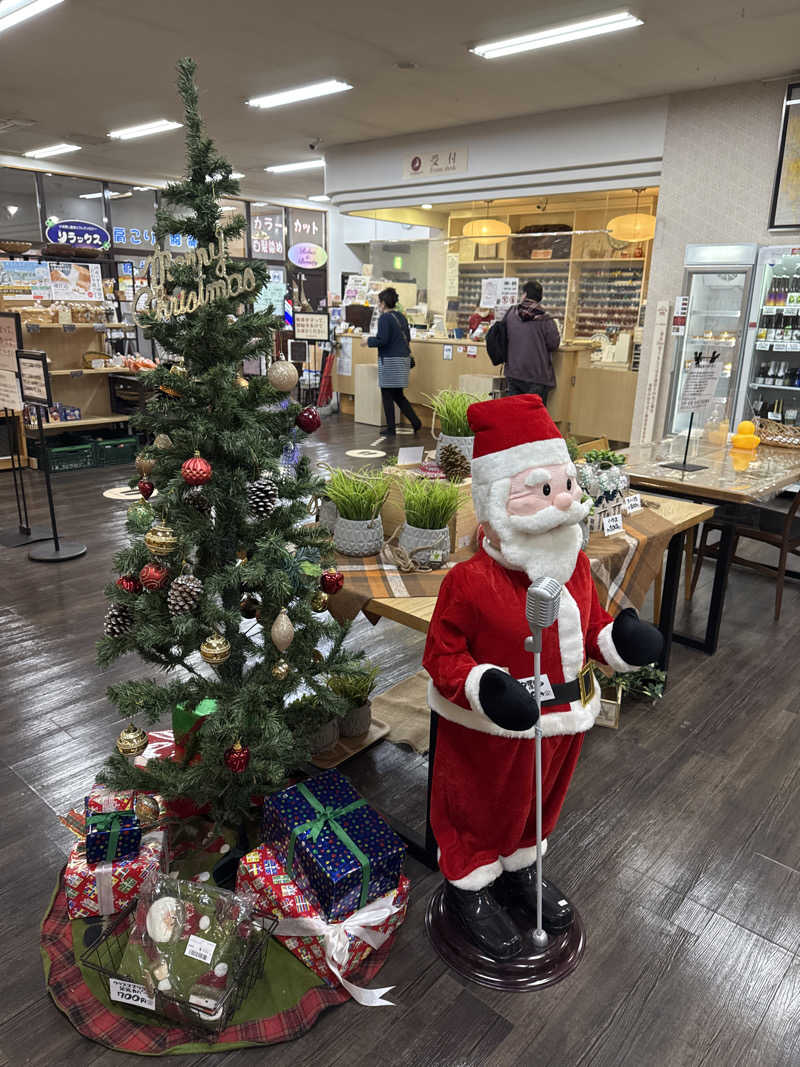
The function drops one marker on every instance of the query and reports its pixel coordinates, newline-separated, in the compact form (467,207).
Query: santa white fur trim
(522,858)
(480,878)
(511,461)
(472,685)
(605,643)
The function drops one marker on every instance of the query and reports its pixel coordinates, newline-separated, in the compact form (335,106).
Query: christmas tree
(219,587)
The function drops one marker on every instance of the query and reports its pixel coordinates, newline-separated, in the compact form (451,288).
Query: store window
(74,198)
(132,212)
(229,209)
(19,206)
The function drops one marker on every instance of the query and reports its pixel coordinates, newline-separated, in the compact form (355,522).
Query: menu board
(24,280)
(9,343)
(355,290)
(274,291)
(311,326)
(76,281)
(34,379)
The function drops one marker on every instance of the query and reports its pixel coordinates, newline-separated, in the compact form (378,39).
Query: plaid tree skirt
(284,1004)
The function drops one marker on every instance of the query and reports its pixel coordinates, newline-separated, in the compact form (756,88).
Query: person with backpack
(524,340)
(393,341)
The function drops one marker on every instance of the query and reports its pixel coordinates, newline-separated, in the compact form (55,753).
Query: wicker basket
(776,434)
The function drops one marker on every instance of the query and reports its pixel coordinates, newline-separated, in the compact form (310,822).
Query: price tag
(99,327)
(436,556)
(794,346)
(136,996)
(68,327)
(790,310)
(545,689)
(633,503)
(200,949)
(769,311)
(774,416)
(762,345)
(33,327)
(76,374)
(612,524)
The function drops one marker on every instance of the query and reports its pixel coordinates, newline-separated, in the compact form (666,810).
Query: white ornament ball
(204,923)
(282,375)
(282,632)
(221,970)
(203,876)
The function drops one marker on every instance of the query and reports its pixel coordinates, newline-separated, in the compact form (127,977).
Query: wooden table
(726,476)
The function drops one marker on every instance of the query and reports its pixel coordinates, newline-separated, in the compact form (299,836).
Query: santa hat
(513,434)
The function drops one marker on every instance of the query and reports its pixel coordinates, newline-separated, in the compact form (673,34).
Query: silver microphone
(541,606)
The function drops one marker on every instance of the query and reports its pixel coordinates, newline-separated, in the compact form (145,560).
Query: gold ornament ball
(282,632)
(317,656)
(280,670)
(147,810)
(319,601)
(161,539)
(144,465)
(282,376)
(178,368)
(215,649)
(132,741)
(163,441)
(242,382)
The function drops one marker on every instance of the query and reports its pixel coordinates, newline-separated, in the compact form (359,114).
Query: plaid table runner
(624,567)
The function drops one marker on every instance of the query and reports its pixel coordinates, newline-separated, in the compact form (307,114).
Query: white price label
(769,310)
(633,503)
(200,949)
(762,345)
(136,996)
(794,346)
(779,346)
(612,524)
(436,555)
(545,689)
(774,416)
(790,310)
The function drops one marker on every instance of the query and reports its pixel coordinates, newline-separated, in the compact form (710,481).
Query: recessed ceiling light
(261,203)
(237,174)
(306,164)
(12,209)
(143,189)
(303,92)
(109,196)
(426,207)
(227,207)
(14,11)
(570,31)
(321,198)
(144,129)
(52,150)
(90,196)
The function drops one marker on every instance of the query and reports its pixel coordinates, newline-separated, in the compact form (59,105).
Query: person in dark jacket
(393,341)
(532,338)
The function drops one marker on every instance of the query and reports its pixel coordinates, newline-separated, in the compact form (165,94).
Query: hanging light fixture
(633,228)
(486,231)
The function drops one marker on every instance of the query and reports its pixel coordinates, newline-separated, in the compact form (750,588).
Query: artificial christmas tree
(209,431)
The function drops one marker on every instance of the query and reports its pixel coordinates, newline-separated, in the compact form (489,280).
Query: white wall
(348,230)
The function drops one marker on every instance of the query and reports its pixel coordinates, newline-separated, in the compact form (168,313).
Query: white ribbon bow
(335,941)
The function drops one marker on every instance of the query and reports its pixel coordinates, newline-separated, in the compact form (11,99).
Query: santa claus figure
(483,799)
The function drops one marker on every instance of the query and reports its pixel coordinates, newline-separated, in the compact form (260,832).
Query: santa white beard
(544,545)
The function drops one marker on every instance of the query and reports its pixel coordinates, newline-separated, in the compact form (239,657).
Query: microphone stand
(534,644)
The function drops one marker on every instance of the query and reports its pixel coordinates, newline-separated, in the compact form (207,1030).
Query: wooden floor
(679,842)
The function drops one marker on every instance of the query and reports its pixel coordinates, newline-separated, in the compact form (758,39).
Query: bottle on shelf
(796,382)
(778,326)
(788,375)
(793,299)
(761,332)
(770,329)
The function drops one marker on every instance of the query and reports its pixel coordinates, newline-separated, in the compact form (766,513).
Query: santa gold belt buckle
(586,683)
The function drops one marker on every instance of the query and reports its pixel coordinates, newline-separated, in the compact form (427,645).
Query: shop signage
(266,234)
(307,255)
(311,327)
(75,281)
(430,164)
(306,225)
(124,235)
(700,385)
(10,341)
(24,279)
(34,378)
(78,233)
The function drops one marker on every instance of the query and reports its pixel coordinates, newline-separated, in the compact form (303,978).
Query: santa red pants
(483,799)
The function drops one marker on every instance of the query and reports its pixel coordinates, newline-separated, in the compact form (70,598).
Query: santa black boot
(483,921)
(517,889)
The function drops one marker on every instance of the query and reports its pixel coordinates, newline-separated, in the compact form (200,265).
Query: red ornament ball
(154,577)
(130,583)
(196,471)
(331,581)
(237,757)
(308,420)
(146,488)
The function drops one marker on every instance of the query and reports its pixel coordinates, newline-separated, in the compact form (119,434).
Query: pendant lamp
(633,228)
(486,231)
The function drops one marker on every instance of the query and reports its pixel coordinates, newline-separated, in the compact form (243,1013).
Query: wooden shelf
(79,372)
(76,424)
(70,326)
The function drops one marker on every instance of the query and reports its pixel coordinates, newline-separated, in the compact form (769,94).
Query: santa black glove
(636,642)
(506,701)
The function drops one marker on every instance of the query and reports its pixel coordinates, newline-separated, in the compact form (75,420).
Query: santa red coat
(482,797)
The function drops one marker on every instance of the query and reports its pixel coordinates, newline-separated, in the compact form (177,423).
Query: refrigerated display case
(769,380)
(717,282)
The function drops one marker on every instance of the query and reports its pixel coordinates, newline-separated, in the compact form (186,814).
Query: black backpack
(497,342)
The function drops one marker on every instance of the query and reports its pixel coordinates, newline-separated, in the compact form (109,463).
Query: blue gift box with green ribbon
(112,835)
(334,845)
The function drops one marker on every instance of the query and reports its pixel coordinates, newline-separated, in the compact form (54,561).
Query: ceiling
(89,66)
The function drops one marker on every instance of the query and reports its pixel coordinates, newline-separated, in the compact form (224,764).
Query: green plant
(572,448)
(354,686)
(646,683)
(358,494)
(430,503)
(450,406)
(603,455)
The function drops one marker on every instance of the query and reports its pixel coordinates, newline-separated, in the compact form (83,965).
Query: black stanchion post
(25,534)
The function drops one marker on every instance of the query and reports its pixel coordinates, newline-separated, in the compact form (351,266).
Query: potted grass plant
(450,407)
(430,504)
(358,497)
(356,687)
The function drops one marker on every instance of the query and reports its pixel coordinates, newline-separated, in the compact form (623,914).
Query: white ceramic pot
(356,722)
(358,537)
(325,737)
(328,513)
(463,444)
(432,541)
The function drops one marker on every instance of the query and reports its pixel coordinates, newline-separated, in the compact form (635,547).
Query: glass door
(716,321)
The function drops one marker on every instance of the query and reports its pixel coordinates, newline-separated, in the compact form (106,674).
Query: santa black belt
(580,688)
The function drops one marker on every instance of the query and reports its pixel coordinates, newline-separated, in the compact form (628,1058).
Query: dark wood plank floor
(679,842)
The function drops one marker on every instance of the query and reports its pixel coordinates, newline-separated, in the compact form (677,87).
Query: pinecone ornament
(118,621)
(195,497)
(455,465)
(262,497)
(184,594)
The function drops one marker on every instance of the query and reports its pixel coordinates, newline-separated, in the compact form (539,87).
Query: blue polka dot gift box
(333,844)
(112,835)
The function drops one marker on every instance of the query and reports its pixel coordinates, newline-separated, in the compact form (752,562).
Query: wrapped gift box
(105,888)
(101,799)
(337,848)
(261,874)
(112,835)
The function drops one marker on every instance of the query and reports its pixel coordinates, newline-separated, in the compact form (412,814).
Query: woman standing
(393,341)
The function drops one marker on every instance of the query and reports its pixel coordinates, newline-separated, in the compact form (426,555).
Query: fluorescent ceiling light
(261,203)
(237,174)
(144,129)
(306,164)
(304,92)
(111,196)
(14,11)
(570,31)
(143,189)
(321,198)
(426,207)
(227,207)
(52,150)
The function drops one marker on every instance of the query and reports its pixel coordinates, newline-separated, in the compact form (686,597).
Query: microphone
(541,608)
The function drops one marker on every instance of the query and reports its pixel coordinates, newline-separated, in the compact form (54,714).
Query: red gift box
(102,799)
(105,888)
(346,943)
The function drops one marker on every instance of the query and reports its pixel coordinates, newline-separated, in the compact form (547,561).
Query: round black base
(533,968)
(46,553)
(16,538)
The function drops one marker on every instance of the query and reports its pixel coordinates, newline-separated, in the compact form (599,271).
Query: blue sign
(77,233)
